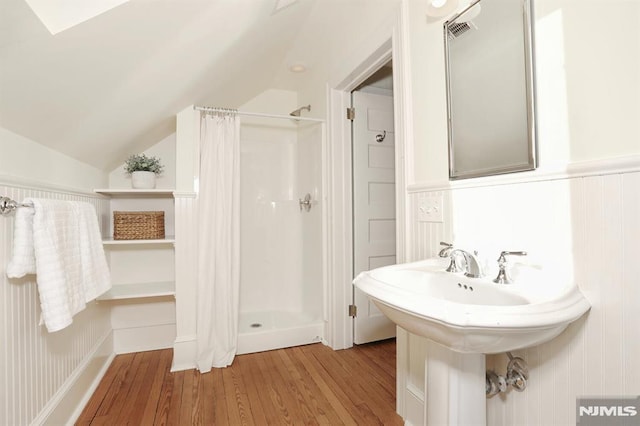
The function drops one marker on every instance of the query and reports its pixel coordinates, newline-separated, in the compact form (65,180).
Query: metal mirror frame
(528,27)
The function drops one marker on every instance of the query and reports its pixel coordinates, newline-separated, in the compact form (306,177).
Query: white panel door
(374,221)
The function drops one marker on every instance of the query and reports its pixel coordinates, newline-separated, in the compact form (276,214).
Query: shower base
(268,330)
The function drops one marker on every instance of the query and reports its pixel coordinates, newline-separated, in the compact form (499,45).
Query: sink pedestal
(454,387)
(471,315)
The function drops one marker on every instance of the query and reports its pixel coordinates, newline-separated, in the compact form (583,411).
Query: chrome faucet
(472,267)
(503,276)
(446,251)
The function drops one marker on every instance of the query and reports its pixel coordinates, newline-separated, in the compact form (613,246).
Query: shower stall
(281,254)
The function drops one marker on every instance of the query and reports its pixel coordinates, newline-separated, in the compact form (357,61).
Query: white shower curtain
(218,240)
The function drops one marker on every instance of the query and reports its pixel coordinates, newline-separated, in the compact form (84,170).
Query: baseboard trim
(184,353)
(145,338)
(67,404)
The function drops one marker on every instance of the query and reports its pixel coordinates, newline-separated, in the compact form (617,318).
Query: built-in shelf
(135,192)
(136,291)
(120,251)
(111,242)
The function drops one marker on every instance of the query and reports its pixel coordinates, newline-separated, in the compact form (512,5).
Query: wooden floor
(305,385)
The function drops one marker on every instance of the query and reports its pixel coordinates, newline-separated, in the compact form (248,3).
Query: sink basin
(473,315)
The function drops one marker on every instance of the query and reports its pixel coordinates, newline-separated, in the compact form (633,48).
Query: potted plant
(143,170)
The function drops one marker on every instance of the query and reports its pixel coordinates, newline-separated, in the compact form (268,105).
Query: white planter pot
(143,180)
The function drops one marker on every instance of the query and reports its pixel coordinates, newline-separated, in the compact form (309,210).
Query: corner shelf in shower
(140,290)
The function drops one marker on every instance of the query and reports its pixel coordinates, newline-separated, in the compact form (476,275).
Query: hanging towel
(95,272)
(23,261)
(69,259)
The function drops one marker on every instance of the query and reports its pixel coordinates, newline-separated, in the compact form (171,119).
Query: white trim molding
(339,265)
(68,402)
(599,167)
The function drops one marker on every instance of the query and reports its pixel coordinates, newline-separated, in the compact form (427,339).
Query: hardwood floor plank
(260,380)
(221,416)
(253,387)
(186,402)
(309,398)
(152,399)
(306,385)
(116,386)
(341,378)
(236,404)
(100,395)
(127,410)
(175,403)
(276,389)
(163,407)
(208,399)
(336,407)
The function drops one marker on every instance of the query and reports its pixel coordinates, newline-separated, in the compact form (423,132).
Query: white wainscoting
(41,371)
(587,226)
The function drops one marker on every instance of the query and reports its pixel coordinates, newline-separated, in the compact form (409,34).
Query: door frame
(338,181)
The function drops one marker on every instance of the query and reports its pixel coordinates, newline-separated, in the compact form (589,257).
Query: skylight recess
(59,15)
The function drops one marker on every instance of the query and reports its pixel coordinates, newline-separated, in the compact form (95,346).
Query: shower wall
(281,245)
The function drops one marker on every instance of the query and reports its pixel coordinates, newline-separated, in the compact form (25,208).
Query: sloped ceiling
(112,85)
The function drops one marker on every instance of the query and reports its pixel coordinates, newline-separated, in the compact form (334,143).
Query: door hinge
(351,113)
(353,311)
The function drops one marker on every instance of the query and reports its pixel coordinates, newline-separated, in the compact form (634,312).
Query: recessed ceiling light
(440,8)
(297,68)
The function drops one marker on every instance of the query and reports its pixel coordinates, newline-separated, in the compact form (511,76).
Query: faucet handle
(446,250)
(513,253)
(503,277)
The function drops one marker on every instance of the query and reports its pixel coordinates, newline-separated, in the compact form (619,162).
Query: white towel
(95,272)
(69,259)
(23,261)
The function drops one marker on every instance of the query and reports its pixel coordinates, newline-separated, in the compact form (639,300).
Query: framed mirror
(490,89)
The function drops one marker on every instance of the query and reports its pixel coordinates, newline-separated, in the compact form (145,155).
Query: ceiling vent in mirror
(456,29)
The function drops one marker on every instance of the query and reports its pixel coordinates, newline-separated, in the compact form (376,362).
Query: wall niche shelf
(135,193)
(132,260)
(139,290)
(169,239)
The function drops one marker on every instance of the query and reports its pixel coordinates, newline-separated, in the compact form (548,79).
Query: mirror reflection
(490,89)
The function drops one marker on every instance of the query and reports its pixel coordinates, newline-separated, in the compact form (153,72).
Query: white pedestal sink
(470,317)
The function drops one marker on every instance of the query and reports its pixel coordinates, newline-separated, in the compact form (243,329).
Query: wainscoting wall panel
(37,367)
(585,227)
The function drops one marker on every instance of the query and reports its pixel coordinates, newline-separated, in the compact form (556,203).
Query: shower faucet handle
(503,277)
(305,203)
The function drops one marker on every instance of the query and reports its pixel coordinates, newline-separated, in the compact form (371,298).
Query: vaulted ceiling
(113,84)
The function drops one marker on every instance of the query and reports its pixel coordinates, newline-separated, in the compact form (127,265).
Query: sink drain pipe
(516,377)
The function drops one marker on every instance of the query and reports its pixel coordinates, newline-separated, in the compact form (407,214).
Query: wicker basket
(138,225)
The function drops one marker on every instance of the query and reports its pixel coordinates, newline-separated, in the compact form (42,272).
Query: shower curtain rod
(257,114)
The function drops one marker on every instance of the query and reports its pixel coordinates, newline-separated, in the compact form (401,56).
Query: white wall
(588,74)
(281,247)
(165,150)
(44,376)
(22,159)
(353,30)
(588,92)
(270,225)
